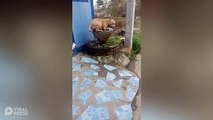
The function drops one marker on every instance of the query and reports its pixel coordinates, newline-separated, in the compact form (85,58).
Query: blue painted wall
(82,14)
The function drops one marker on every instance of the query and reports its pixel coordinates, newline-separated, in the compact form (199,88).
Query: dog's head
(112,23)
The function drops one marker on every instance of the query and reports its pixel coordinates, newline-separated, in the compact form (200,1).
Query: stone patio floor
(103,91)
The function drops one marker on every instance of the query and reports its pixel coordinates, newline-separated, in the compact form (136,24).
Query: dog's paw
(97,30)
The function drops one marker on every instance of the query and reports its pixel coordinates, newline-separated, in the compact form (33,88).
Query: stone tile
(124,112)
(110,76)
(88,60)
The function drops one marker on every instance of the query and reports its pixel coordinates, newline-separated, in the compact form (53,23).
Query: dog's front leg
(104,26)
(98,30)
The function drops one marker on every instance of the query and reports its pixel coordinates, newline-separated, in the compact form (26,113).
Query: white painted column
(130,17)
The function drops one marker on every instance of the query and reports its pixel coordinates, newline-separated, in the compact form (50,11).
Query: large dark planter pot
(102,37)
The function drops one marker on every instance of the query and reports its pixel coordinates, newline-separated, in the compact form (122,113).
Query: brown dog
(101,24)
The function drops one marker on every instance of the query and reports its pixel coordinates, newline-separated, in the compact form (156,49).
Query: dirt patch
(118,59)
(131,65)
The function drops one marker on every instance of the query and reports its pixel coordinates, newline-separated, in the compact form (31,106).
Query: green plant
(132,55)
(112,40)
(136,45)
